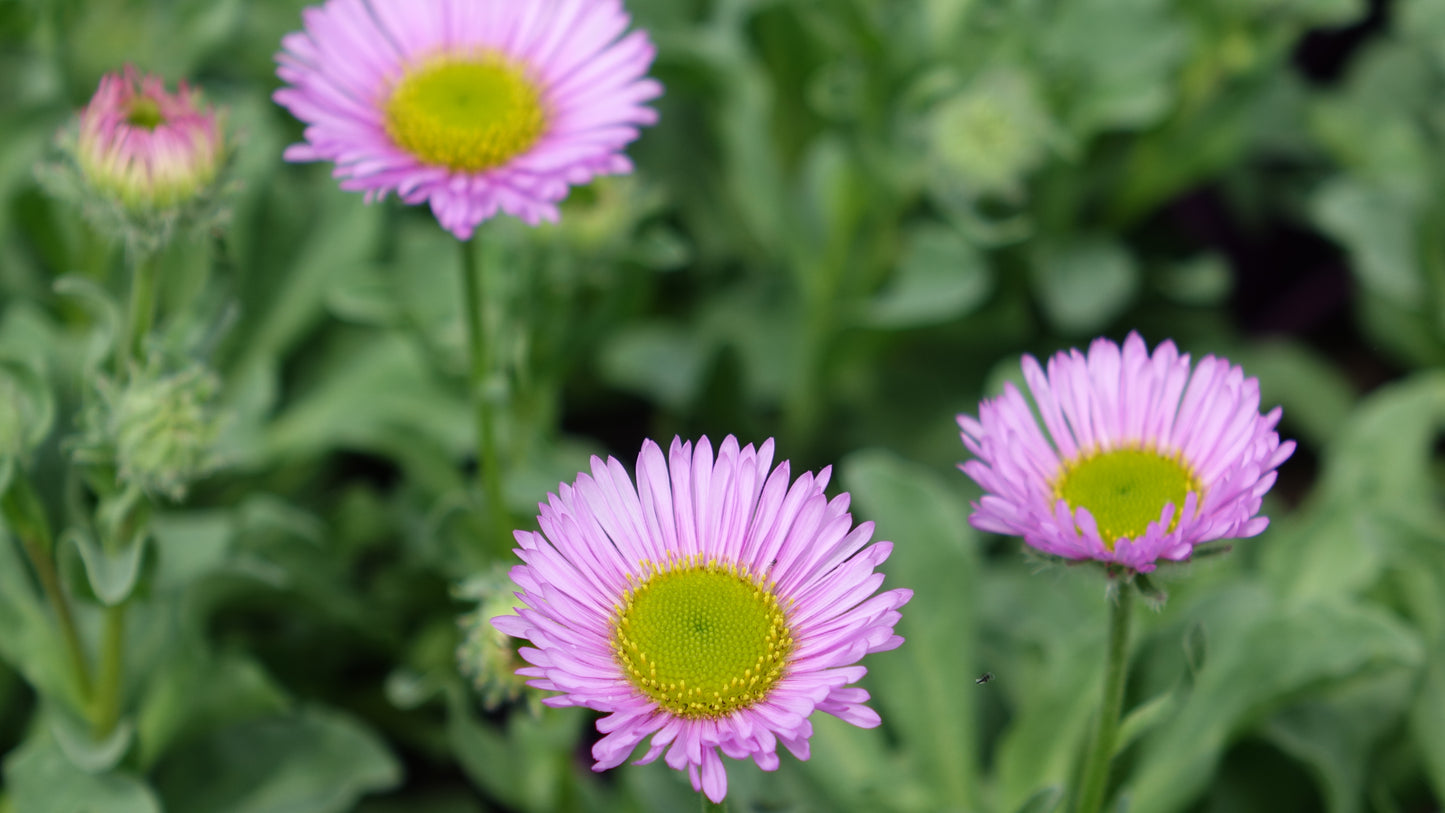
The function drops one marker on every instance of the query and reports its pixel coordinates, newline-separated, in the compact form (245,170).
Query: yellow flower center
(468,113)
(701,639)
(144,112)
(1126,489)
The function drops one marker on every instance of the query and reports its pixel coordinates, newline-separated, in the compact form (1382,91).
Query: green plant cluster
(851,220)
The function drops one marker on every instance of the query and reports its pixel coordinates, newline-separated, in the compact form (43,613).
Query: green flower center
(143,111)
(701,639)
(1126,489)
(468,114)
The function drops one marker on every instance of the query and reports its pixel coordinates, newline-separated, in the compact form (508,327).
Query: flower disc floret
(713,607)
(702,639)
(465,114)
(1124,456)
(1124,488)
(472,106)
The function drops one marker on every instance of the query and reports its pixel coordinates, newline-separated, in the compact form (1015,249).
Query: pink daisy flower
(145,147)
(472,106)
(713,608)
(1140,457)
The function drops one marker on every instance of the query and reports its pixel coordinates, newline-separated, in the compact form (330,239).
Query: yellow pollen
(1125,489)
(701,638)
(468,112)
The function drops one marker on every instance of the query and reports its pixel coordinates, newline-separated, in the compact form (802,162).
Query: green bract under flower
(702,639)
(1126,489)
(465,114)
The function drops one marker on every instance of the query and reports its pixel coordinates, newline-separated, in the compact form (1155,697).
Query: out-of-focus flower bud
(487,656)
(142,160)
(158,430)
(146,147)
(993,133)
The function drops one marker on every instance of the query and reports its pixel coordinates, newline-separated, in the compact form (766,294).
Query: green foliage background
(852,219)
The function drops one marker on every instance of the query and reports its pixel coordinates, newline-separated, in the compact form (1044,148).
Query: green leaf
(112,576)
(1378,225)
(74,736)
(940,277)
(195,692)
(1336,734)
(925,689)
(1045,801)
(1146,717)
(381,390)
(1277,655)
(1202,280)
(1085,282)
(1377,472)
(29,641)
(190,544)
(1115,60)
(1427,718)
(660,361)
(315,761)
(41,779)
(27,406)
(853,769)
(529,768)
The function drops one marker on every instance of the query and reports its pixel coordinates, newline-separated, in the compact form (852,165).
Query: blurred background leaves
(852,219)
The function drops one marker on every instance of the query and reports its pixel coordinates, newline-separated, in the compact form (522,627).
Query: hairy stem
(489,469)
(1101,753)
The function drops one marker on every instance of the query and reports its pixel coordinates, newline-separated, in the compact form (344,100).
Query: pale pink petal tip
(727,503)
(339,71)
(1123,397)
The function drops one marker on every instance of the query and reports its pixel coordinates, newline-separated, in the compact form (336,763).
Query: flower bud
(993,133)
(158,430)
(142,162)
(486,655)
(145,147)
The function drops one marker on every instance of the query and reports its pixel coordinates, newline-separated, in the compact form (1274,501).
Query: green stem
(106,709)
(145,272)
(489,469)
(25,515)
(709,806)
(803,407)
(1101,754)
(50,582)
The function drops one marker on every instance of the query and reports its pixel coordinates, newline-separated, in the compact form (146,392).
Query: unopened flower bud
(145,147)
(993,133)
(142,161)
(486,655)
(158,430)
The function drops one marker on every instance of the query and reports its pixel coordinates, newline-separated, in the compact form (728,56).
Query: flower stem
(105,702)
(1101,754)
(805,400)
(489,469)
(50,583)
(105,711)
(709,806)
(141,313)
(26,517)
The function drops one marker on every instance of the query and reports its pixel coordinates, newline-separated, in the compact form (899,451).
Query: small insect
(984,678)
